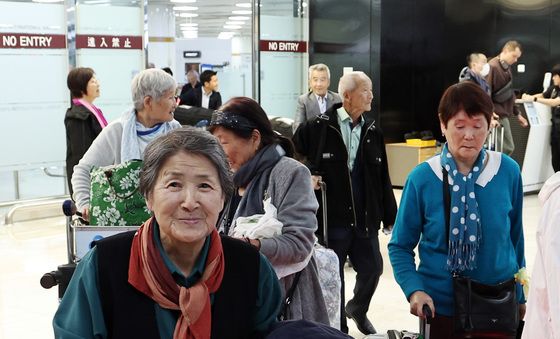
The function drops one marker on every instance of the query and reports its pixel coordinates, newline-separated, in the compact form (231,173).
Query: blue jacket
(421,223)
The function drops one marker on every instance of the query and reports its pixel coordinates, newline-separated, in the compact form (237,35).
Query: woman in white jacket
(542,319)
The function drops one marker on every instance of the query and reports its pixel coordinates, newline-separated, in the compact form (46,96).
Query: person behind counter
(551,97)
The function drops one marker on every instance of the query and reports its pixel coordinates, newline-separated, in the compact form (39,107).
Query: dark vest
(130,314)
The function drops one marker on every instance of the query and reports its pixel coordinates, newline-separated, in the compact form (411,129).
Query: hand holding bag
(481,309)
(114,196)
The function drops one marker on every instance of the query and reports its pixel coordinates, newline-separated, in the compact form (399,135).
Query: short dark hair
(167,70)
(206,76)
(466,96)
(472,58)
(78,79)
(251,110)
(190,140)
(555,70)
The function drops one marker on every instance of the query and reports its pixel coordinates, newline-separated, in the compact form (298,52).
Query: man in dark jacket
(500,80)
(205,96)
(345,149)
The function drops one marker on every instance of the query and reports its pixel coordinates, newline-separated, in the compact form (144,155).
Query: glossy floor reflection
(30,249)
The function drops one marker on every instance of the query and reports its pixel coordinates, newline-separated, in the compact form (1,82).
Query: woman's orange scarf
(148,274)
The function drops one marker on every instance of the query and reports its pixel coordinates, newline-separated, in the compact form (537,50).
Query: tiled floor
(30,249)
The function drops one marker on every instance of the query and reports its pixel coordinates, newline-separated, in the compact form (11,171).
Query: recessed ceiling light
(232,27)
(184,29)
(50,1)
(238,22)
(87,2)
(242,12)
(189,24)
(244,4)
(183,1)
(190,35)
(188,15)
(239,18)
(226,35)
(185,8)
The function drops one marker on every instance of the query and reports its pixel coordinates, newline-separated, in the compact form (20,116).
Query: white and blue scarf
(135,136)
(464,219)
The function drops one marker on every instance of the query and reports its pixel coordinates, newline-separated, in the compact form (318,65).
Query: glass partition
(282,57)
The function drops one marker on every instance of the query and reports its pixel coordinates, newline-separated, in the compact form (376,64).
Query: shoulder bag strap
(446,199)
(289,296)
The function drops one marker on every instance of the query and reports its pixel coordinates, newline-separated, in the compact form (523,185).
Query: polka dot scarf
(464,220)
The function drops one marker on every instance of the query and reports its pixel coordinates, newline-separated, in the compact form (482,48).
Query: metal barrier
(55,202)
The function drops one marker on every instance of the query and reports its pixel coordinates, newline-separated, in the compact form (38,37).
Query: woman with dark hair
(83,119)
(481,237)
(266,178)
(175,277)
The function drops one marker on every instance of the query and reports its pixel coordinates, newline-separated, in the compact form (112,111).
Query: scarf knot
(465,232)
(149,274)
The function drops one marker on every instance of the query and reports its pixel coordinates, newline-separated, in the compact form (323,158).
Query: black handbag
(481,309)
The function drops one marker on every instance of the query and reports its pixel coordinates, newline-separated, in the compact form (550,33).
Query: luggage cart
(80,238)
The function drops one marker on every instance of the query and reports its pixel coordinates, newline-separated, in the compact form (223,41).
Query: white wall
(161,26)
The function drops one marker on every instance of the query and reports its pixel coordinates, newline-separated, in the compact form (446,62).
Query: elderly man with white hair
(344,148)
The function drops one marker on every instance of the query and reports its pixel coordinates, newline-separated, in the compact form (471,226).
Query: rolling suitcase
(424,327)
(327,267)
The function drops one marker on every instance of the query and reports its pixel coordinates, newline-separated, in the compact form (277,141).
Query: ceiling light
(188,15)
(183,1)
(185,8)
(49,1)
(244,4)
(87,2)
(242,12)
(189,29)
(232,27)
(190,35)
(235,22)
(225,35)
(189,24)
(239,18)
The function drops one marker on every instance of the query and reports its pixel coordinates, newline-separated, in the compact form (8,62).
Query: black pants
(367,262)
(555,140)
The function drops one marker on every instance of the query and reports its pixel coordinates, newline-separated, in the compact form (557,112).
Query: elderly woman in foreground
(153,94)
(176,277)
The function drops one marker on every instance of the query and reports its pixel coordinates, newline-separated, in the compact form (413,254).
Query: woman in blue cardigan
(485,233)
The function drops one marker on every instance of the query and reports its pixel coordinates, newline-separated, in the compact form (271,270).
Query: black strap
(289,296)
(446,198)
(322,139)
